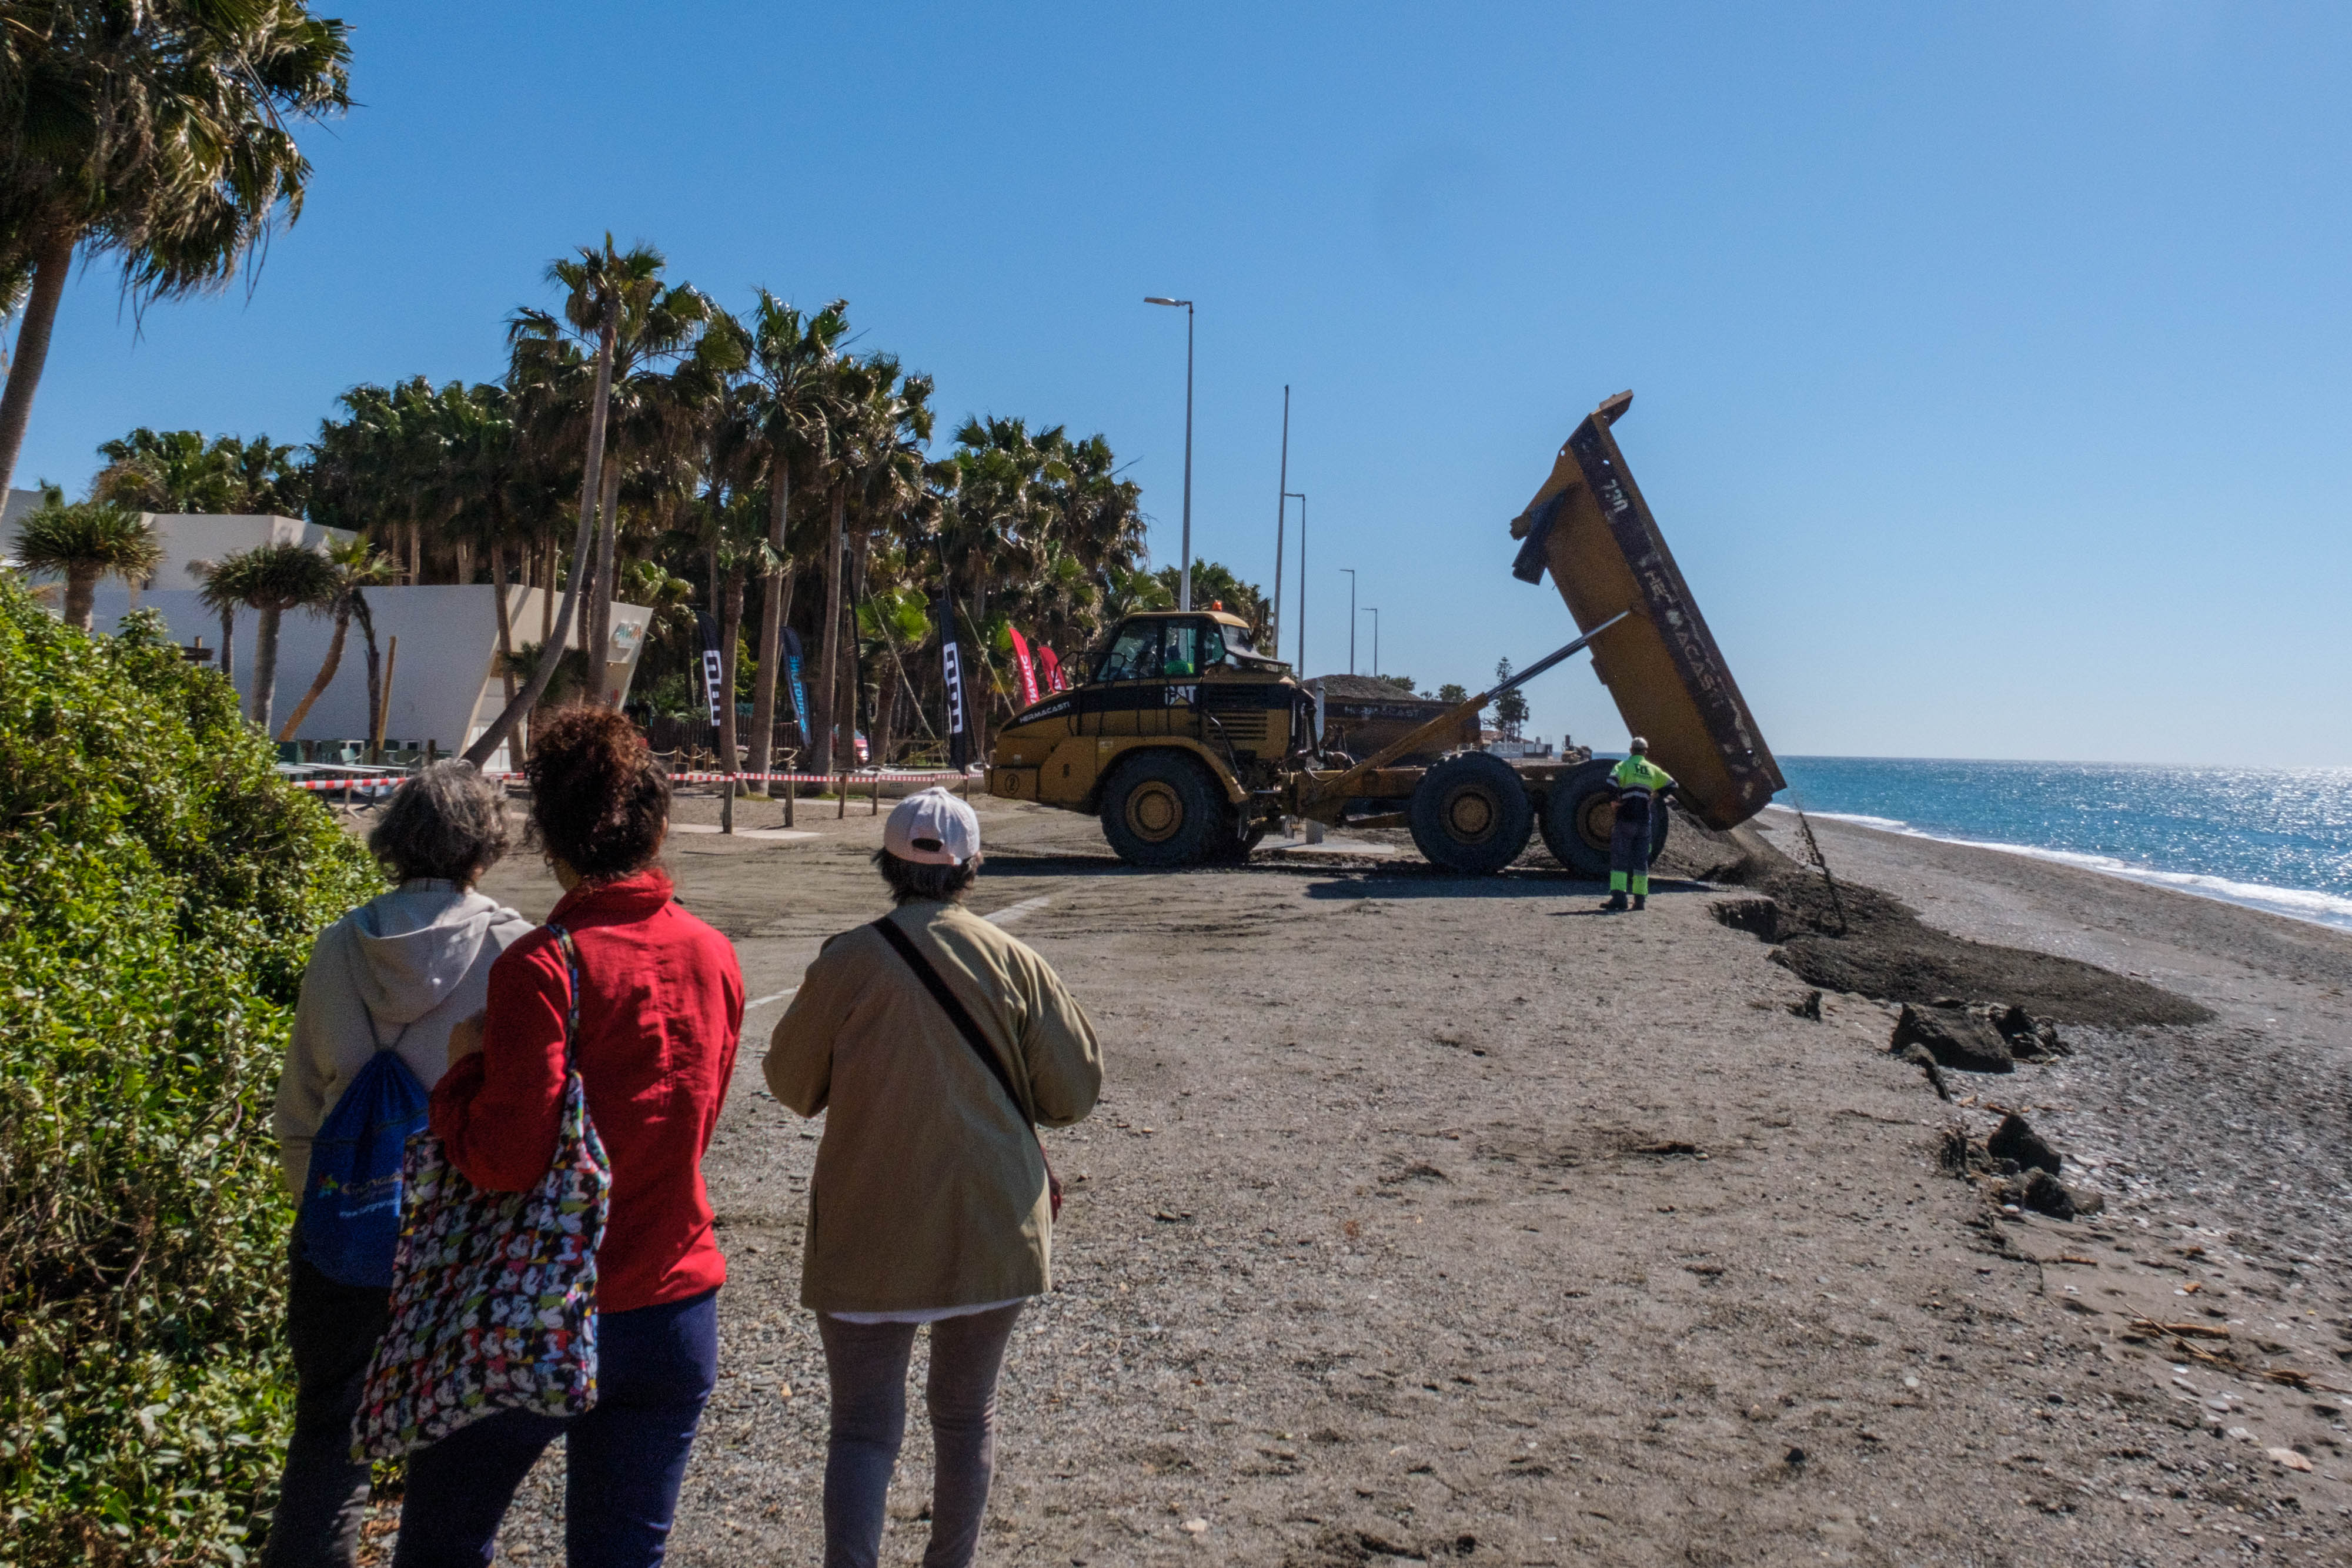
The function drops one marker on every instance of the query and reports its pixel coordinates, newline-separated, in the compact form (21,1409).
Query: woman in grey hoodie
(400,970)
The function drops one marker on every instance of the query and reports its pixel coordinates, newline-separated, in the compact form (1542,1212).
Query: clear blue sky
(1992,360)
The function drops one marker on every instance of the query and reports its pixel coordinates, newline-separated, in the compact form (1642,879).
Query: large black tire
(1228,850)
(1161,811)
(1472,814)
(1580,815)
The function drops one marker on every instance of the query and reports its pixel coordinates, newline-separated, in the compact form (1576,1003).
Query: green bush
(159,890)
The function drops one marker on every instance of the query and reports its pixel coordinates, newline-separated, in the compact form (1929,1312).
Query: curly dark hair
(599,800)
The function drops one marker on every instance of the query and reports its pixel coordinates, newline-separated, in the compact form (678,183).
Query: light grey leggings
(867,1367)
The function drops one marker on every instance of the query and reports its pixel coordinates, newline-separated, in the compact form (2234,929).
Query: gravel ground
(1431,1219)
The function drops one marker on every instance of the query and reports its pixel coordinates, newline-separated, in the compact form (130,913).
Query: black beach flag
(712,668)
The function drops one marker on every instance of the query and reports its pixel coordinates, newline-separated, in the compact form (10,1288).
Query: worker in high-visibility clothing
(1637,783)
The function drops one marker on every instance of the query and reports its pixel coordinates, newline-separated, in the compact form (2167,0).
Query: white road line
(763,1001)
(1012,913)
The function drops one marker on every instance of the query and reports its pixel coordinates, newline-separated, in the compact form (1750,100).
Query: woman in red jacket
(661,1007)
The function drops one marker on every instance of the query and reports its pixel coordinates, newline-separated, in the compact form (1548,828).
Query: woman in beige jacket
(930,1202)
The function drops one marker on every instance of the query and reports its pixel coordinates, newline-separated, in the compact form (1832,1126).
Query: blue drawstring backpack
(350,1219)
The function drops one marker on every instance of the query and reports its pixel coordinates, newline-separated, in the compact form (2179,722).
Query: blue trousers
(1629,857)
(624,1458)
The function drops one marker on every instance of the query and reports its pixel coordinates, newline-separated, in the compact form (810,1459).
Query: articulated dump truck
(1189,744)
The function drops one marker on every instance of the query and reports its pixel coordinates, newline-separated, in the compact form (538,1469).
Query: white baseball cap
(932,828)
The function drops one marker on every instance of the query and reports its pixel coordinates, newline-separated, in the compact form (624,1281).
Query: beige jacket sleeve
(799,1063)
(1060,1056)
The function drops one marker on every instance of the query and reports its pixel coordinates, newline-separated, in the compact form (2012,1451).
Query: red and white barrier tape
(393,781)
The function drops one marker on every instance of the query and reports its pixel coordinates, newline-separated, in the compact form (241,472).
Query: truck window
(1182,653)
(1134,656)
(1212,645)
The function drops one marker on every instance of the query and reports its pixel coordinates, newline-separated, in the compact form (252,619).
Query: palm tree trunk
(229,642)
(829,645)
(547,592)
(264,666)
(506,620)
(552,650)
(326,671)
(51,262)
(81,587)
(600,621)
(374,670)
(731,638)
(771,627)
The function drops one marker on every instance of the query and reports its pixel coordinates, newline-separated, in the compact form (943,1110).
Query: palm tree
(600,286)
(653,326)
(172,471)
(155,133)
(357,566)
(271,579)
(86,542)
(780,425)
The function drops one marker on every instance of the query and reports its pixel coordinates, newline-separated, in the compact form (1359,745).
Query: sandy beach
(1429,1219)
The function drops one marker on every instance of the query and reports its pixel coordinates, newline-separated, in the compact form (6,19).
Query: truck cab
(1179,696)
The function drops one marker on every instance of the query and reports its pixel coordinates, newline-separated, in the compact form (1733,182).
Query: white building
(445,685)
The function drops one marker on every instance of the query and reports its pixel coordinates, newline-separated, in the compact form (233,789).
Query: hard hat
(1640,746)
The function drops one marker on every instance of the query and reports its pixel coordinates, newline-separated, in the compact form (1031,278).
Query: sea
(2276,838)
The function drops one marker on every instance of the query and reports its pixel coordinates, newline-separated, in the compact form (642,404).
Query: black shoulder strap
(905,946)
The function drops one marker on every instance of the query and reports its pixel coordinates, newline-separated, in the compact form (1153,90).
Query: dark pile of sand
(1860,940)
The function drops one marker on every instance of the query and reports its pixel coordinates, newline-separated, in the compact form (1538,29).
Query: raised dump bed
(1591,526)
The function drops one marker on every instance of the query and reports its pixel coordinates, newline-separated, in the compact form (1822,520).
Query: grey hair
(920,880)
(446,823)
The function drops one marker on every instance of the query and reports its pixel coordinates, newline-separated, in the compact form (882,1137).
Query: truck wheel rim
(1471,815)
(1154,813)
(1595,821)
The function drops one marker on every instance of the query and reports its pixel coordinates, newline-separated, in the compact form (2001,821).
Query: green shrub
(159,890)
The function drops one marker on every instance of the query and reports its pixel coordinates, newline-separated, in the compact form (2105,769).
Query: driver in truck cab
(1637,782)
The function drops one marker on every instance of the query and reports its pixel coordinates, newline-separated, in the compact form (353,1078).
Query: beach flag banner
(712,668)
(1053,668)
(958,744)
(1023,667)
(792,669)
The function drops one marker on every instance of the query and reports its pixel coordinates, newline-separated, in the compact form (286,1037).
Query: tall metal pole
(1184,586)
(1352,618)
(1300,496)
(1374,612)
(1281,515)
(1185,602)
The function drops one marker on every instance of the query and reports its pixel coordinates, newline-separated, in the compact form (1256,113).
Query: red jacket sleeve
(495,1111)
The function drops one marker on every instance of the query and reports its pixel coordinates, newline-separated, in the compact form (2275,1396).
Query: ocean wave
(2294,903)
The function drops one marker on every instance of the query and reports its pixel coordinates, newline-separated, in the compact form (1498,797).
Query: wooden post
(727,806)
(383,702)
(841,794)
(791,793)
(877,794)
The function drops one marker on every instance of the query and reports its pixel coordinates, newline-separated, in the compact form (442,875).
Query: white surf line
(1013,911)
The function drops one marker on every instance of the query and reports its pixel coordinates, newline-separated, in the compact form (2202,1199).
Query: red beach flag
(1021,663)
(1053,666)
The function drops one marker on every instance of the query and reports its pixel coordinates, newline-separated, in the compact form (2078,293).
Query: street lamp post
(1300,496)
(1281,515)
(1374,612)
(1185,598)
(1352,618)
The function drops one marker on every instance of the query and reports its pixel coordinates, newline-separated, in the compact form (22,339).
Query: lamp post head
(1156,300)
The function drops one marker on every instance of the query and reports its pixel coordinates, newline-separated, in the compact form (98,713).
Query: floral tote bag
(493,1293)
